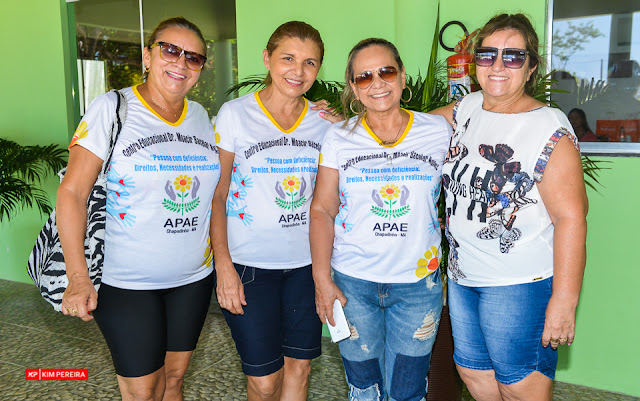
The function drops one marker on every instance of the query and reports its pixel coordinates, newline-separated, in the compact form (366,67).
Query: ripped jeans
(393,328)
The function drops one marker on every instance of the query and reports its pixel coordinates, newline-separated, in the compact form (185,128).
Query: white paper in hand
(341,330)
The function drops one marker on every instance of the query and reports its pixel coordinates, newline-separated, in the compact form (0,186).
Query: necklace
(175,115)
(392,142)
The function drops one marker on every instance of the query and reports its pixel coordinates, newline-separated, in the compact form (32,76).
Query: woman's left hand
(328,113)
(559,324)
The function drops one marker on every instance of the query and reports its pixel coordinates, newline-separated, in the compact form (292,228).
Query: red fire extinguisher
(461,69)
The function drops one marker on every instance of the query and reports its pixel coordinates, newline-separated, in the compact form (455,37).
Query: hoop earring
(410,95)
(147,69)
(351,106)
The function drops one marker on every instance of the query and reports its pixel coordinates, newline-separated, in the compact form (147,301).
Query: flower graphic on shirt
(429,263)
(238,192)
(208,255)
(81,132)
(390,191)
(118,196)
(386,201)
(182,184)
(341,217)
(291,184)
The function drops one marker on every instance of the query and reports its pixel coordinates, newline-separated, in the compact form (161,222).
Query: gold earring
(410,95)
(146,69)
(351,106)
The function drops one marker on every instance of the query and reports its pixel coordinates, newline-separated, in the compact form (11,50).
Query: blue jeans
(279,320)
(393,328)
(500,328)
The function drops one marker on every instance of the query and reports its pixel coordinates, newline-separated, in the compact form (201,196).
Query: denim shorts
(500,329)
(393,328)
(279,320)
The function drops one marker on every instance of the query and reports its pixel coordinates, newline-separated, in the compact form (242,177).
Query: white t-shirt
(498,227)
(387,228)
(159,191)
(274,173)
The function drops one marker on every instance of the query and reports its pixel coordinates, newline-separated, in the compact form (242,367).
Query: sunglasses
(172,53)
(364,80)
(511,57)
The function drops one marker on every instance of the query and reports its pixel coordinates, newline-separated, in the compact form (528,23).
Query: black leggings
(140,326)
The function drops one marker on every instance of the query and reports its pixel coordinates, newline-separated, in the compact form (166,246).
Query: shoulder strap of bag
(116,127)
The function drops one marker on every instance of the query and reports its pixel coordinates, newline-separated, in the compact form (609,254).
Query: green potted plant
(22,170)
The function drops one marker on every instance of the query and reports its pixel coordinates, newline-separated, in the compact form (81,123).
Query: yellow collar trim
(404,134)
(265,111)
(145,104)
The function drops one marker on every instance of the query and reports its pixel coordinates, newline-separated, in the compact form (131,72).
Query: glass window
(109,39)
(596,58)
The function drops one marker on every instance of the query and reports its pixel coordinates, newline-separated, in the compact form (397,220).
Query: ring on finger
(554,340)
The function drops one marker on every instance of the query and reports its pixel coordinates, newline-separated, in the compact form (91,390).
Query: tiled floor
(32,335)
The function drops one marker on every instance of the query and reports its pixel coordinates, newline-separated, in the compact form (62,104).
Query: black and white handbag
(46,264)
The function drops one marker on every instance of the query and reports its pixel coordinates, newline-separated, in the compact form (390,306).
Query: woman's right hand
(80,298)
(229,290)
(326,294)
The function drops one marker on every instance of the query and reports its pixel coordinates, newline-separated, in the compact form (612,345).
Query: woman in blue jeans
(375,236)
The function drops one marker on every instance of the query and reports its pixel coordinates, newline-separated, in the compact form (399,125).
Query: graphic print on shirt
(454,268)
(389,194)
(208,255)
(390,203)
(81,132)
(341,217)
(293,186)
(118,198)
(435,196)
(237,194)
(490,193)
(182,183)
(429,263)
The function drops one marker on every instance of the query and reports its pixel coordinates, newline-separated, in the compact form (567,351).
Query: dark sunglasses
(364,80)
(172,53)
(511,57)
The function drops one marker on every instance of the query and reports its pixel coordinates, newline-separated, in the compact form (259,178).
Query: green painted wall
(409,24)
(35,108)
(605,353)
(607,344)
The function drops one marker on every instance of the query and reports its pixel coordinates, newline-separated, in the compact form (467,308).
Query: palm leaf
(431,78)
(543,89)
(22,168)
(591,170)
(250,83)
(327,90)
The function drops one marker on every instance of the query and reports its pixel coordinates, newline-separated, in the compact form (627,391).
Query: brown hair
(175,22)
(522,24)
(293,29)
(348,95)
